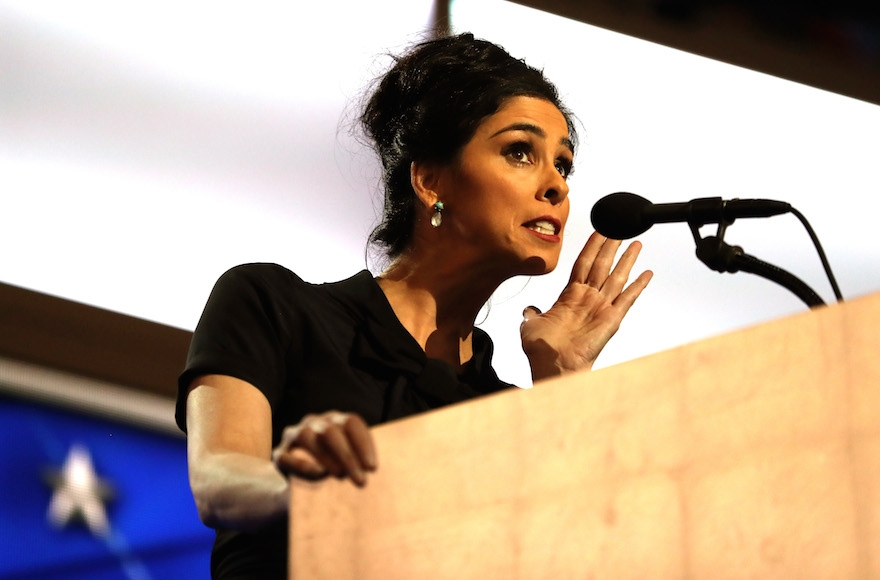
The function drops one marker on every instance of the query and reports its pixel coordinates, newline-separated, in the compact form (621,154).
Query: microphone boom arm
(720,256)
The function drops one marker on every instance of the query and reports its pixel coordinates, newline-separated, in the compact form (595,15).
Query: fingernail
(530,312)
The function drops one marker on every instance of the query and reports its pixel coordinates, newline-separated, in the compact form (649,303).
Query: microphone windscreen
(620,216)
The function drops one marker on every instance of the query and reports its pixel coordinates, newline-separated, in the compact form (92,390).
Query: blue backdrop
(156,533)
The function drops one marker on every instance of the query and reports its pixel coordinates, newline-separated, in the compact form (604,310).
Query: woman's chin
(538,266)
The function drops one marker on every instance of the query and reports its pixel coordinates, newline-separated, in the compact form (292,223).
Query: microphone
(622,215)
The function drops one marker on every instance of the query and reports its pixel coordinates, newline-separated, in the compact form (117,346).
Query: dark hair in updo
(429,105)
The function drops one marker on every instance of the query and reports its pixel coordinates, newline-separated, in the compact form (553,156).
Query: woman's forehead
(520,112)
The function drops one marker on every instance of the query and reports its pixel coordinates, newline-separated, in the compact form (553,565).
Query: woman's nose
(555,189)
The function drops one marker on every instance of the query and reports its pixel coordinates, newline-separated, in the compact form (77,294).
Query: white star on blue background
(80,494)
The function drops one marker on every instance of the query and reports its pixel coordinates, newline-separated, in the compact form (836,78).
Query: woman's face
(506,197)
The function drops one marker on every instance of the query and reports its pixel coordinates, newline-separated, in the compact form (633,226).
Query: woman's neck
(437,307)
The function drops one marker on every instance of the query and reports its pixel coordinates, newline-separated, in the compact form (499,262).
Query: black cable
(822,257)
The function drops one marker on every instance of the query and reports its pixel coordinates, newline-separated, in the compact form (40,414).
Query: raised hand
(570,336)
(332,443)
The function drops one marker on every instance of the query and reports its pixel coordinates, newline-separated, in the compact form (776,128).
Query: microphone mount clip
(721,257)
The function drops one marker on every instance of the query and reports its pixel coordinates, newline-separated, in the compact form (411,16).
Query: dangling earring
(437,218)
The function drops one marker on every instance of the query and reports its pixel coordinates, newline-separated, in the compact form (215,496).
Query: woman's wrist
(546,363)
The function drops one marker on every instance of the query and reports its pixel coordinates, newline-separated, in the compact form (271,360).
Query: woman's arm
(237,479)
(229,449)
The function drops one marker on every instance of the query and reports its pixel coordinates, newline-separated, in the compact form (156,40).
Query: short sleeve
(243,332)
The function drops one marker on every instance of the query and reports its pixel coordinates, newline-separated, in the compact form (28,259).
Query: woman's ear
(425,180)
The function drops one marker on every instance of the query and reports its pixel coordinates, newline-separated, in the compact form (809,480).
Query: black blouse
(310,348)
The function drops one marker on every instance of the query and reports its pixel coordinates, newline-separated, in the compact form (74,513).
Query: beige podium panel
(750,455)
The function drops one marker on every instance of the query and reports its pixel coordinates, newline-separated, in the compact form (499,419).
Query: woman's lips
(545,228)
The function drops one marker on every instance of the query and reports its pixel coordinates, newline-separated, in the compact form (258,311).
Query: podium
(755,454)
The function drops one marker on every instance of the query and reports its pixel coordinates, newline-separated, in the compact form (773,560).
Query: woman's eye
(519,153)
(564,167)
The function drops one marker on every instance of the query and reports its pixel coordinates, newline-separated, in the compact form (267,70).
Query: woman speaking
(284,376)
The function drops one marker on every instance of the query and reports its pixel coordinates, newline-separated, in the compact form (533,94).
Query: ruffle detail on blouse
(420,383)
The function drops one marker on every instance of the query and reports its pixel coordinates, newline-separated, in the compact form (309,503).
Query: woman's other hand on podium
(332,443)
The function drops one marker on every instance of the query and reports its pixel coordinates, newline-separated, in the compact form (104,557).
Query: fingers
(593,264)
(614,282)
(628,297)
(595,267)
(584,262)
(334,443)
(361,441)
(300,462)
(599,272)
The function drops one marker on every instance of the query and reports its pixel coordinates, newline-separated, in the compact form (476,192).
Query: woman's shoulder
(263,277)
(275,278)
(261,271)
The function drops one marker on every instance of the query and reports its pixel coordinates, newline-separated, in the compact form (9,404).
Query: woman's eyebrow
(534,129)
